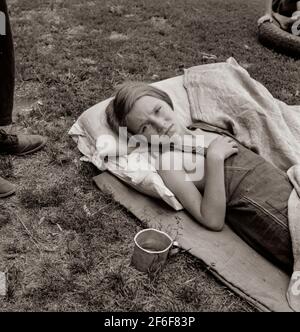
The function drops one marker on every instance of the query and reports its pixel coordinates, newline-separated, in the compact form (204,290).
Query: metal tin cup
(151,249)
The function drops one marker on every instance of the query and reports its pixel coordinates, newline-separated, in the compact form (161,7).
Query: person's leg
(264,210)
(257,207)
(7,78)
(7,70)
(11,144)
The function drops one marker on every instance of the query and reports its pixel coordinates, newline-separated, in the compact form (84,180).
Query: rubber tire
(272,36)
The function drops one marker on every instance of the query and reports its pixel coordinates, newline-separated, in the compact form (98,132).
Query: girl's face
(152,116)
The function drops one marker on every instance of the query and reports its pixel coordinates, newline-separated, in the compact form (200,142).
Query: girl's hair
(126,95)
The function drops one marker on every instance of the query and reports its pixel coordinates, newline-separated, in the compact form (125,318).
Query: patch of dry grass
(67,246)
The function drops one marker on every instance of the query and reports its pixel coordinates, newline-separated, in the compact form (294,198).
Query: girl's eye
(143,129)
(157,111)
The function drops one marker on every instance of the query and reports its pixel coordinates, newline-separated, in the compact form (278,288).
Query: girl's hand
(222,147)
(265,18)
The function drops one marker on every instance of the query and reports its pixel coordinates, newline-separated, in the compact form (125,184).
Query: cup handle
(174,249)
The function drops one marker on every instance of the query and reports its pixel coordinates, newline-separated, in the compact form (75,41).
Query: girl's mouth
(167,131)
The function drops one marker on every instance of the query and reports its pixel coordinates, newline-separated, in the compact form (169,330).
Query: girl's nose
(159,124)
(156,122)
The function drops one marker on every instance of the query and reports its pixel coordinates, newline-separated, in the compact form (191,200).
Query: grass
(67,246)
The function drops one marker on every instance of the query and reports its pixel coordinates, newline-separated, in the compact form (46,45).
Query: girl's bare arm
(209,209)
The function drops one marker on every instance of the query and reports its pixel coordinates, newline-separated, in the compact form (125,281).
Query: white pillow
(96,140)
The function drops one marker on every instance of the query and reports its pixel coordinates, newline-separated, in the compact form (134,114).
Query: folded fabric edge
(241,293)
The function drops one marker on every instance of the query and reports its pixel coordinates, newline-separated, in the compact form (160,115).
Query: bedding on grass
(221,94)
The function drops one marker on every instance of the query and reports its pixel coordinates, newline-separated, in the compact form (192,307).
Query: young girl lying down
(234,185)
